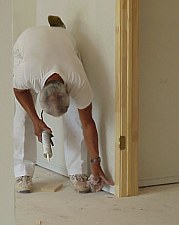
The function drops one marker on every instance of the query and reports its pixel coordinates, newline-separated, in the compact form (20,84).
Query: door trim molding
(127,103)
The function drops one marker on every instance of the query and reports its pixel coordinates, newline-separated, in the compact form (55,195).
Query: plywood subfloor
(154,206)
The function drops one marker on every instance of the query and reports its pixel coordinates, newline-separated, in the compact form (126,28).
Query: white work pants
(25,148)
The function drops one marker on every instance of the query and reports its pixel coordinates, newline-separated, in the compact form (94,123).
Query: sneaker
(24,184)
(55,21)
(79,182)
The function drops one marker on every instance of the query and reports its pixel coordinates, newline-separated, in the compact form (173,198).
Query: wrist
(95,161)
(36,120)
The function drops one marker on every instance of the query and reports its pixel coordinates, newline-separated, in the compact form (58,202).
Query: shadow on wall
(99,76)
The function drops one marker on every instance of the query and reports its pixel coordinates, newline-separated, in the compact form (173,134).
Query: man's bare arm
(89,131)
(91,139)
(24,97)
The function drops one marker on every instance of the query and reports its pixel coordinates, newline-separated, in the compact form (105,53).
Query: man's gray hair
(54,98)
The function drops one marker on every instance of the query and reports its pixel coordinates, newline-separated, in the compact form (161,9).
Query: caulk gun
(46,143)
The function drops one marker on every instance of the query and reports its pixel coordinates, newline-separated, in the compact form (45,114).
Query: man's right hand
(39,127)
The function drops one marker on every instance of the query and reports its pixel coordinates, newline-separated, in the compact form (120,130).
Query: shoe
(24,184)
(55,21)
(79,182)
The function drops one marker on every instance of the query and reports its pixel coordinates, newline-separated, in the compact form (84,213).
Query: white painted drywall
(93,25)
(24,16)
(6,116)
(159,92)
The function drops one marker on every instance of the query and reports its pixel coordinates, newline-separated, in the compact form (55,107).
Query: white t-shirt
(41,51)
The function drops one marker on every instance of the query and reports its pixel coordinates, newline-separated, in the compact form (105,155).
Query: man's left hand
(97,171)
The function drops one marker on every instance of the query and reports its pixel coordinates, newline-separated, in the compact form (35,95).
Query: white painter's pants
(25,148)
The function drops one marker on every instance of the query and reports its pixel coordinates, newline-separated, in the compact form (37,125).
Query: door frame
(127,103)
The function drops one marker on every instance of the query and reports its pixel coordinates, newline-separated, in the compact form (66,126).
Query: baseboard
(109,189)
(150,181)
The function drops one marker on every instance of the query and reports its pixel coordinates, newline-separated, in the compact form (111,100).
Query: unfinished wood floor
(154,206)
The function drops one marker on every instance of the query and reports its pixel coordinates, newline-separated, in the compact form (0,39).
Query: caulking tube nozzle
(48,158)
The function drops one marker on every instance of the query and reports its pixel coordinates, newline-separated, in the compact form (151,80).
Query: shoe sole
(24,192)
(84,192)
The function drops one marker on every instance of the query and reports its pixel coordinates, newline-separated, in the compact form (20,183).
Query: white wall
(93,25)
(6,116)
(24,16)
(159,91)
